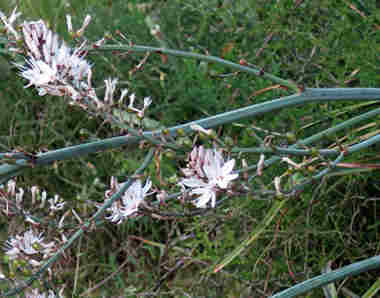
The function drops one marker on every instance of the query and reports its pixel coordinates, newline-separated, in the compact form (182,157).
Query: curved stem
(324,279)
(208,58)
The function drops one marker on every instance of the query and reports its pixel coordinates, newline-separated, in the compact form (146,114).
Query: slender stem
(320,135)
(82,229)
(208,58)
(324,279)
(324,152)
(301,186)
(285,151)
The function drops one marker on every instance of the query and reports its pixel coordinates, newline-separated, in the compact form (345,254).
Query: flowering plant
(207,172)
(54,68)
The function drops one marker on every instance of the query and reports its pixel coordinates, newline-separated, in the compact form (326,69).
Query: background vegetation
(314,43)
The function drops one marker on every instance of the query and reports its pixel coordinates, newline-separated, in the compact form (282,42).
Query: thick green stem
(309,96)
(324,279)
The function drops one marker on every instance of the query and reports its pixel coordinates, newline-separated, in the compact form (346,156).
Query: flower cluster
(206,174)
(11,200)
(53,67)
(29,247)
(128,204)
(59,70)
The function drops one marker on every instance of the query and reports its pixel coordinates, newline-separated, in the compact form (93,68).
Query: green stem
(251,70)
(320,135)
(324,152)
(309,96)
(324,279)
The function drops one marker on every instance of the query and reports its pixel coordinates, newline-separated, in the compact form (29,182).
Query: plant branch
(82,229)
(318,136)
(324,279)
(184,54)
(309,96)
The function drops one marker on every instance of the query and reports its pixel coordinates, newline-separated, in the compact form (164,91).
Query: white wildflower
(207,173)
(53,67)
(27,245)
(217,171)
(128,204)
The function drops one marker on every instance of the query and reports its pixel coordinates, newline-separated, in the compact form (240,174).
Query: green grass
(317,44)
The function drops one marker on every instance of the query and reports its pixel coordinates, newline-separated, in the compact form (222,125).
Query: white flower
(27,245)
(38,72)
(129,202)
(53,67)
(218,172)
(205,191)
(207,173)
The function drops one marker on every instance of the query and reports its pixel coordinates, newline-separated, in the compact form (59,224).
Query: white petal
(193,182)
(228,166)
